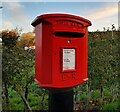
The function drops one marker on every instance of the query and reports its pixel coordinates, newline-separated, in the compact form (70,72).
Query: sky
(21,14)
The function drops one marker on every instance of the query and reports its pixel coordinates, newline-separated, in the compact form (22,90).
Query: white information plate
(69,59)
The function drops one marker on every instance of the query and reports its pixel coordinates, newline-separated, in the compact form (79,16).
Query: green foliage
(95,94)
(18,66)
(16,103)
(102,86)
(113,106)
(99,92)
(34,100)
(35,88)
(103,51)
(9,38)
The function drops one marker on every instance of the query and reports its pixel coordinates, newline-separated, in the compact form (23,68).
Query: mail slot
(61,50)
(69,34)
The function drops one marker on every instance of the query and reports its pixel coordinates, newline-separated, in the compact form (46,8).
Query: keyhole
(69,41)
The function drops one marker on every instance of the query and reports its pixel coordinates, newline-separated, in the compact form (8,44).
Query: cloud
(103,13)
(17,16)
(60,0)
(16,11)
(7,25)
(11,1)
(103,17)
(106,22)
(14,5)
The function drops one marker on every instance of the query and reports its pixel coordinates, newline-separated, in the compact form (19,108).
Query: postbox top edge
(42,17)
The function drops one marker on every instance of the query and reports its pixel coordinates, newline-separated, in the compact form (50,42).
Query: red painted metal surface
(54,33)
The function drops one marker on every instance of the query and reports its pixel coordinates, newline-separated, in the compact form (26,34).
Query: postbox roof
(40,18)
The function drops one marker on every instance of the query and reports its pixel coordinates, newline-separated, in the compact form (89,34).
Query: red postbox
(61,50)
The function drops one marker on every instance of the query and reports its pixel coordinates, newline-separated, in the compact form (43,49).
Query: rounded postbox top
(41,18)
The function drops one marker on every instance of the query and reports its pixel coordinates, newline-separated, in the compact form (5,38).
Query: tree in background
(27,40)
(18,65)
(99,90)
(27,73)
(9,40)
(102,86)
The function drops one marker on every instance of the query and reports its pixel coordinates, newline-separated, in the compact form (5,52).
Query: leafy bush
(100,91)
(112,106)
